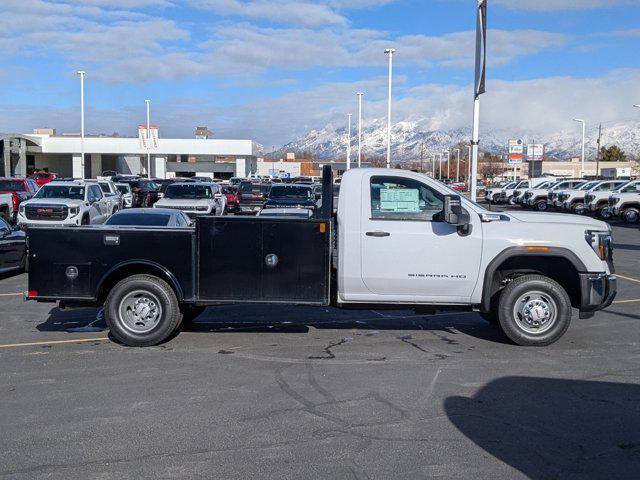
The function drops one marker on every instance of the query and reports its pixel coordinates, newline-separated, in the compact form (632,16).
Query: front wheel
(541,206)
(534,310)
(631,215)
(142,310)
(606,213)
(578,208)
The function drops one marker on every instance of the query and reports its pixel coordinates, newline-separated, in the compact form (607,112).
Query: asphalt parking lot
(303,393)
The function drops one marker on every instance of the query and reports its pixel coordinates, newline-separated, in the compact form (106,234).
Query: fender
(512,252)
(146,263)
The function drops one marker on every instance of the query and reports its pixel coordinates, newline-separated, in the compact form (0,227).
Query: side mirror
(454,214)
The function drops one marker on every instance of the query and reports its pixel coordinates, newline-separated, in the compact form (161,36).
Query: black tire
(630,215)
(556,299)
(168,320)
(541,206)
(605,213)
(578,209)
(191,312)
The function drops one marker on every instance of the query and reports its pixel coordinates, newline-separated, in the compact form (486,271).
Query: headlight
(21,209)
(73,211)
(600,243)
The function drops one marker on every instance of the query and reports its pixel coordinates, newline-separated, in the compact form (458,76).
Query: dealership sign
(535,152)
(516,151)
(148,140)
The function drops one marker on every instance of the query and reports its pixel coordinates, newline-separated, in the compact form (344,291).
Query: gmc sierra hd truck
(398,239)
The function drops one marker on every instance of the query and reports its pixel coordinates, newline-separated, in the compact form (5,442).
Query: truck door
(407,251)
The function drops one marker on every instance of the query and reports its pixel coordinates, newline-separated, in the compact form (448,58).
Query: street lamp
(440,166)
(349,143)
(579,120)
(390,52)
(457,150)
(148,102)
(82,74)
(448,162)
(360,95)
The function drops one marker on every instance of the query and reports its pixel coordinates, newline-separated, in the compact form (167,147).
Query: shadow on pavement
(296,319)
(555,428)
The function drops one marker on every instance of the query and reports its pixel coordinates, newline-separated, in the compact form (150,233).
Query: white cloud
(280,11)
(555,5)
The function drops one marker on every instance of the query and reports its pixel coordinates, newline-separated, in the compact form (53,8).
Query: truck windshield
(73,192)
(105,187)
(193,191)
(123,189)
(12,185)
(588,186)
(278,191)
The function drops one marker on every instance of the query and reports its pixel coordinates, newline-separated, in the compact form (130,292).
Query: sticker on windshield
(399,200)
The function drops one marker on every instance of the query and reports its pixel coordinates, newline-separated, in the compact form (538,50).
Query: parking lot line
(53,342)
(10,294)
(630,279)
(633,300)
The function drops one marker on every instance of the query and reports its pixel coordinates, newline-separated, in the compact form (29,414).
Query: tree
(613,154)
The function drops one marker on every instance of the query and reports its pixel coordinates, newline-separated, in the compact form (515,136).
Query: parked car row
(608,199)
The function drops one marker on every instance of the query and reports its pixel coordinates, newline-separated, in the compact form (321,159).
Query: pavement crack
(329,354)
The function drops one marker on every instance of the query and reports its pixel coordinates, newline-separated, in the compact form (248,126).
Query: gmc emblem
(45,210)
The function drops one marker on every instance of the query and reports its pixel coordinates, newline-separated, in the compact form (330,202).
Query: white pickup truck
(399,239)
(626,203)
(597,201)
(194,199)
(65,203)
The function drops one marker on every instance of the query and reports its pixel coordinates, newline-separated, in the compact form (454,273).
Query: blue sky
(272,70)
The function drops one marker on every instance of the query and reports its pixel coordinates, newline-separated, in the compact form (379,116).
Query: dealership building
(21,154)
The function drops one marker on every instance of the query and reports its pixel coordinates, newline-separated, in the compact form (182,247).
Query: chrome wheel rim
(535,312)
(140,311)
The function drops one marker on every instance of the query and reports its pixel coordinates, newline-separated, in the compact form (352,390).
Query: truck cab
(398,239)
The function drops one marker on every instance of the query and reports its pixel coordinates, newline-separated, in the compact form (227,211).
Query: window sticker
(400,200)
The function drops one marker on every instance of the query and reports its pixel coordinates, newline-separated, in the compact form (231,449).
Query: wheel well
(559,269)
(626,206)
(131,269)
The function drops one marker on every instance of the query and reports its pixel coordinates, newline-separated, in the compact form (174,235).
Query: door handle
(378,234)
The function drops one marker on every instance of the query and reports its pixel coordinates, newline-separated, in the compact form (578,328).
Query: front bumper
(598,291)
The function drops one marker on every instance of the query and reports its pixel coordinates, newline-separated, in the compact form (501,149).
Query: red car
(231,192)
(20,189)
(42,177)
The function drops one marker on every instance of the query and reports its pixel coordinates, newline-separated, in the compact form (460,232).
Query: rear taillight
(16,201)
(32,294)
(238,197)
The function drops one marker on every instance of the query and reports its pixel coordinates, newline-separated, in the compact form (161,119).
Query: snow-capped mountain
(407,138)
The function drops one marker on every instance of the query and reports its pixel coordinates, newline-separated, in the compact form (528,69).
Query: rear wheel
(534,310)
(631,215)
(142,310)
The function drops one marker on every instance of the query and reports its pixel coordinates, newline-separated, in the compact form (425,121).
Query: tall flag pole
(479,89)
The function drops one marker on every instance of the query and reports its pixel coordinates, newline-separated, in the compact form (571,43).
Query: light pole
(433,166)
(390,52)
(469,166)
(457,150)
(579,120)
(148,102)
(360,95)
(82,74)
(349,143)
(440,166)
(448,162)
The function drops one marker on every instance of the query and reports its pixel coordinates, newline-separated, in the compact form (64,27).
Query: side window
(97,192)
(90,195)
(397,198)
(33,186)
(631,188)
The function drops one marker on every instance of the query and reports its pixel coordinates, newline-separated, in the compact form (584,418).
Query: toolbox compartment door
(244,260)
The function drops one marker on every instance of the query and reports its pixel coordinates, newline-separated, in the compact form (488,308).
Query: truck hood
(559,218)
(186,202)
(54,201)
